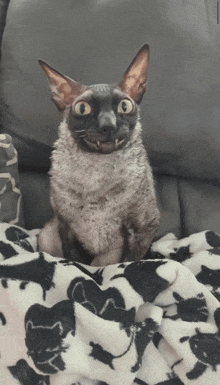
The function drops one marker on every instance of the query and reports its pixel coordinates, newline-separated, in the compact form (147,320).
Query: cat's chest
(90,181)
(90,175)
(91,187)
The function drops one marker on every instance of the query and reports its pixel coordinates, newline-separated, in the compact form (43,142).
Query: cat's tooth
(98,143)
(116,142)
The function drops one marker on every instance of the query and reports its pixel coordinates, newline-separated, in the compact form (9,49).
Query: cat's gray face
(102,118)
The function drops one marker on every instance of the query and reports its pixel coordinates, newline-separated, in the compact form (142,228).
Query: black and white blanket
(153,322)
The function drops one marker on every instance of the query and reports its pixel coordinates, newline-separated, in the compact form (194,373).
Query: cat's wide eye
(82,108)
(125,106)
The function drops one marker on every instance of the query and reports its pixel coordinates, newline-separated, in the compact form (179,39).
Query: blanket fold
(151,322)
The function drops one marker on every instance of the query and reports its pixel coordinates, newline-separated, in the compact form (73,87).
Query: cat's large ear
(135,78)
(63,89)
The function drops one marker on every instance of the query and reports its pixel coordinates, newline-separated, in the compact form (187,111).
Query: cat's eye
(82,108)
(125,106)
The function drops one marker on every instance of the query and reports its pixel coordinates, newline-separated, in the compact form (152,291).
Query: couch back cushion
(94,42)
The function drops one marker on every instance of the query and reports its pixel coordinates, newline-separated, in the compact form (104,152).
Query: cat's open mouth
(105,146)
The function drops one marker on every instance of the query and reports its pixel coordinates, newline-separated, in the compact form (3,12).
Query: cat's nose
(107,121)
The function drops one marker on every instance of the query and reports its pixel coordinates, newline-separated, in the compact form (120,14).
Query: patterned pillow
(10,194)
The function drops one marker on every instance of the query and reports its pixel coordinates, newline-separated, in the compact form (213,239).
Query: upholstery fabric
(95,41)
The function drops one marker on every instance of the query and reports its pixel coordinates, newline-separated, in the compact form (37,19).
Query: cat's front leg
(112,254)
(49,239)
(57,239)
(108,258)
(140,236)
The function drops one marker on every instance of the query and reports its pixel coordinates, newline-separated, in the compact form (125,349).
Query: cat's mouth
(105,146)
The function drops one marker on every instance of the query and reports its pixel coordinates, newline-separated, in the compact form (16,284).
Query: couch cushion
(199,205)
(35,192)
(95,42)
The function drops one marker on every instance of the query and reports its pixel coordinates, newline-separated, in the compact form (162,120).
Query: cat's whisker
(79,130)
(81,136)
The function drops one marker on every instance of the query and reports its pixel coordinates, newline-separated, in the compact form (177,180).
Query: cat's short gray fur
(101,184)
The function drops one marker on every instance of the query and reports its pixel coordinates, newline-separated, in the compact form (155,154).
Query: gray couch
(94,41)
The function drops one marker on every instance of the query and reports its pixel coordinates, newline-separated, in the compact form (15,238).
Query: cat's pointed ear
(135,78)
(63,89)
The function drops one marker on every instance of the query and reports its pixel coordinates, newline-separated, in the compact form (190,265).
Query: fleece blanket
(152,322)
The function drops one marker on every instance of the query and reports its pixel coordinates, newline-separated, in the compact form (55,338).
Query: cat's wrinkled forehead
(101,87)
(103,90)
